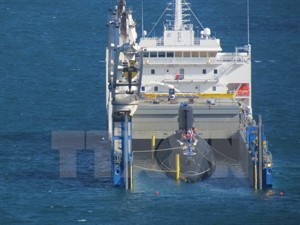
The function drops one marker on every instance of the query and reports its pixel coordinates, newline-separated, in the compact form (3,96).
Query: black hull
(193,167)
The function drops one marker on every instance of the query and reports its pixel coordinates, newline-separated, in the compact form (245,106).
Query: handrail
(195,60)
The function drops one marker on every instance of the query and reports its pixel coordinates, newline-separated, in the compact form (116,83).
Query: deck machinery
(123,66)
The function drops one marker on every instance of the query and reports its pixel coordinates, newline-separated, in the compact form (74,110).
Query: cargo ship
(180,95)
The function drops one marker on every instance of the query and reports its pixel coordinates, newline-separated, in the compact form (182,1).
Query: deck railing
(230,58)
(160,40)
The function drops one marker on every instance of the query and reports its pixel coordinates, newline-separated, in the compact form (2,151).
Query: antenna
(248,22)
(143,33)
(178,15)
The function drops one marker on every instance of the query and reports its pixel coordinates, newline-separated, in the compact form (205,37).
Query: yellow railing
(152,96)
(217,96)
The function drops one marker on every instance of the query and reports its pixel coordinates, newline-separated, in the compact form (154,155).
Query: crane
(124,73)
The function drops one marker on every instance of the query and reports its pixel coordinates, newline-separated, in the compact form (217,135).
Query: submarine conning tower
(185,117)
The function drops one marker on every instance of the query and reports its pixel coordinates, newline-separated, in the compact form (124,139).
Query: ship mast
(178,15)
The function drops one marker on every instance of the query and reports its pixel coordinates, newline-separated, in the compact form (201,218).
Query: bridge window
(153,54)
(152,71)
(170,54)
(195,54)
(155,88)
(204,71)
(203,54)
(143,88)
(215,71)
(186,54)
(146,54)
(162,54)
(178,54)
(214,88)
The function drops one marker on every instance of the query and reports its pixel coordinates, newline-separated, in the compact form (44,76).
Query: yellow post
(131,176)
(177,167)
(255,176)
(153,146)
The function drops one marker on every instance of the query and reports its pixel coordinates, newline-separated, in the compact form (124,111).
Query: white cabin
(194,64)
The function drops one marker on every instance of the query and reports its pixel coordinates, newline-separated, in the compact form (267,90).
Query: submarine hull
(196,163)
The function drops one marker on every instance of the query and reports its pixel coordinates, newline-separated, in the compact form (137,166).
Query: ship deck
(190,99)
(214,119)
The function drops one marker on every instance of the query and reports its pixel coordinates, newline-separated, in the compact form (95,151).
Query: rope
(158,21)
(170,149)
(213,161)
(189,172)
(196,174)
(225,156)
(158,150)
(194,15)
(173,171)
(155,170)
(164,165)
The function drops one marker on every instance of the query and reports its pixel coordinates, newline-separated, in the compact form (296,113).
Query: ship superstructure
(194,63)
(184,66)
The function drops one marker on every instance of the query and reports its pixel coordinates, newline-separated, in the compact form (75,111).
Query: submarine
(197,160)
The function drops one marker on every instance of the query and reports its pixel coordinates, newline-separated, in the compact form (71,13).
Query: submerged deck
(228,173)
(214,119)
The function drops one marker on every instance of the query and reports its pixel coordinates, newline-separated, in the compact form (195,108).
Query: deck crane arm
(124,72)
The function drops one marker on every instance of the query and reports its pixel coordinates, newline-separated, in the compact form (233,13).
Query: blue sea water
(52,77)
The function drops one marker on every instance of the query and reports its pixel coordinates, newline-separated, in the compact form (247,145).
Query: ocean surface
(52,78)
